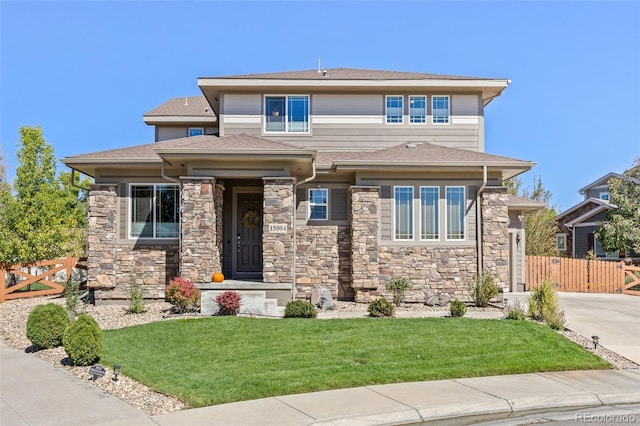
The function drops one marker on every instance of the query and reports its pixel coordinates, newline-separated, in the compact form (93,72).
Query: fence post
(69,267)
(3,284)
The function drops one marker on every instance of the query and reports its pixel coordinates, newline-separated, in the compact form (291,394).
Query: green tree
(621,231)
(540,225)
(38,215)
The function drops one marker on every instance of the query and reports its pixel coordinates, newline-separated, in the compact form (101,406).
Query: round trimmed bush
(83,340)
(381,307)
(458,308)
(46,325)
(300,309)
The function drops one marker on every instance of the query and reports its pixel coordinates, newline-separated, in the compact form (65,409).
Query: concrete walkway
(33,392)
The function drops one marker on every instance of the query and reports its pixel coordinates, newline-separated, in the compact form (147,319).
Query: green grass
(223,359)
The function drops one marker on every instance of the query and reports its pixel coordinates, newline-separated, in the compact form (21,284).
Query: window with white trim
(394,109)
(561,242)
(403,212)
(196,131)
(600,252)
(604,196)
(318,204)
(455,212)
(417,109)
(440,109)
(286,114)
(429,214)
(154,211)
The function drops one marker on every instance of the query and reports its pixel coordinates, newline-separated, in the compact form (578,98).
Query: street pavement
(33,392)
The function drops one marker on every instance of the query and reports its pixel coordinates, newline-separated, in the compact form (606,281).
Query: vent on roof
(186,100)
(411,146)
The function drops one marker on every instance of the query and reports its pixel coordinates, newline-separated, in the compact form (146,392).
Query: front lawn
(223,359)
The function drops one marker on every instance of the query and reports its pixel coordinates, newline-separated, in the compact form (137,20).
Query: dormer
(599,189)
(182,117)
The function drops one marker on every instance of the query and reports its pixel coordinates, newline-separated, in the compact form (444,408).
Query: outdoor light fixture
(116,372)
(596,339)
(505,301)
(518,238)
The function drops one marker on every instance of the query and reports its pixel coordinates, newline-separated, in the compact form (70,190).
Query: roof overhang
(587,215)
(596,201)
(88,166)
(178,119)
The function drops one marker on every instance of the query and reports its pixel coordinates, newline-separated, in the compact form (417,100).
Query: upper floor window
(455,212)
(561,242)
(394,108)
(318,204)
(196,131)
(417,109)
(154,211)
(440,109)
(403,212)
(604,196)
(289,114)
(429,214)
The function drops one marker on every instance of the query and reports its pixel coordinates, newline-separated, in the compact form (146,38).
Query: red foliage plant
(228,303)
(183,293)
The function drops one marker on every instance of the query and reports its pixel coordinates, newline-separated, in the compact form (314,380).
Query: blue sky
(87,71)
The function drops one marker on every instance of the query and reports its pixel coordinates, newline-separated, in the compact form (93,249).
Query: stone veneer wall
(365,201)
(102,234)
(432,270)
(199,243)
(219,203)
(495,234)
(277,247)
(322,259)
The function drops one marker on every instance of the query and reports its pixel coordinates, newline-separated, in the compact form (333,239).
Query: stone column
(364,240)
(277,230)
(102,235)
(218,201)
(199,254)
(495,234)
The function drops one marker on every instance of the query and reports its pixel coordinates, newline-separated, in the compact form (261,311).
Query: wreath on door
(251,219)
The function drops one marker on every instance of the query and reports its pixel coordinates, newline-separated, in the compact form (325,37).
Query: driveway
(615,318)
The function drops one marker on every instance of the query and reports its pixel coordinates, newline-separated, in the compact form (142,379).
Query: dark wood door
(249,233)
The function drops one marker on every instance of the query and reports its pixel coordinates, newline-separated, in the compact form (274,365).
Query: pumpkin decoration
(217,277)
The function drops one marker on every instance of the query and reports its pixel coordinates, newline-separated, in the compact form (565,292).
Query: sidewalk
(33,392)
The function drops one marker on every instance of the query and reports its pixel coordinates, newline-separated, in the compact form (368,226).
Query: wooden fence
(581,275)
(48,269)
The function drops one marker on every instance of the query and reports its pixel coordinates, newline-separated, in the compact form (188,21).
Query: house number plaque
(275,228)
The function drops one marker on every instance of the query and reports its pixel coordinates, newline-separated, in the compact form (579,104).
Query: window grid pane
(155,211)
(286,114)
(319,204)
(298,113)
(167,218)
(417,109)
(455,213)
(429,223)
(274,113)
(403,196)
(394,109)
(440,109)
(196,131)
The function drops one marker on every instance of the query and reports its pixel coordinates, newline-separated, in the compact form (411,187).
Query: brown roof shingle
(189,106)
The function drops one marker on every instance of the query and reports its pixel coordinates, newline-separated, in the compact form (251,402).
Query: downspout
(479,218)
(164,176)
(293,225)
(73,181)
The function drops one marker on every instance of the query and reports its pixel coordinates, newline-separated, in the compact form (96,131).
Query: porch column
(218,201)
(199,253)
(495,234)
(277,230)
(101,237)
(364,240)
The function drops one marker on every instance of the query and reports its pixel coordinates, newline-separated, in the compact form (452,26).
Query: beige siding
(338,204)
(348,122)
(166,133)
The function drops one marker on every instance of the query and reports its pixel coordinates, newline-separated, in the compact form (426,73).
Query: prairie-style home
(345,178)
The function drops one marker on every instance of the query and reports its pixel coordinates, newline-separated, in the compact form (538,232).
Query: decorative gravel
(13,320)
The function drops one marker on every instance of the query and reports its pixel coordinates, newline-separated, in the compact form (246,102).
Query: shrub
(228,303)
(300,309)
(482,289)
(183,294)
(458,308)
(399,286)
(136,304)
(72,296)
(544,305)
(46,325)
(83,340)
(515,312)
(381,307)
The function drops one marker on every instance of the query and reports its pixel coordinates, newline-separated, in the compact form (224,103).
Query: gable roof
(597,202)
(604,180)
(183,109)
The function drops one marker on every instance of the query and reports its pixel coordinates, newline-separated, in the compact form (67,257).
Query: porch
(258,298)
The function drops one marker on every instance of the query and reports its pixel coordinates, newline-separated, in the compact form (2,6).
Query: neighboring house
(577,225)
(343,177)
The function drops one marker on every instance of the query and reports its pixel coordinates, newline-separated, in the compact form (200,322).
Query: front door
(248,259)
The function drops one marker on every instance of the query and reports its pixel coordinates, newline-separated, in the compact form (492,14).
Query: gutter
(479,218)
(164,176)
(73,181)
(293,223)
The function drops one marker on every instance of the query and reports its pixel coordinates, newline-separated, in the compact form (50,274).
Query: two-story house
(578,224)
(284,181)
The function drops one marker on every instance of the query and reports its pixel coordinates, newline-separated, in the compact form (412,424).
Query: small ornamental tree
(183,294)
(228,303)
